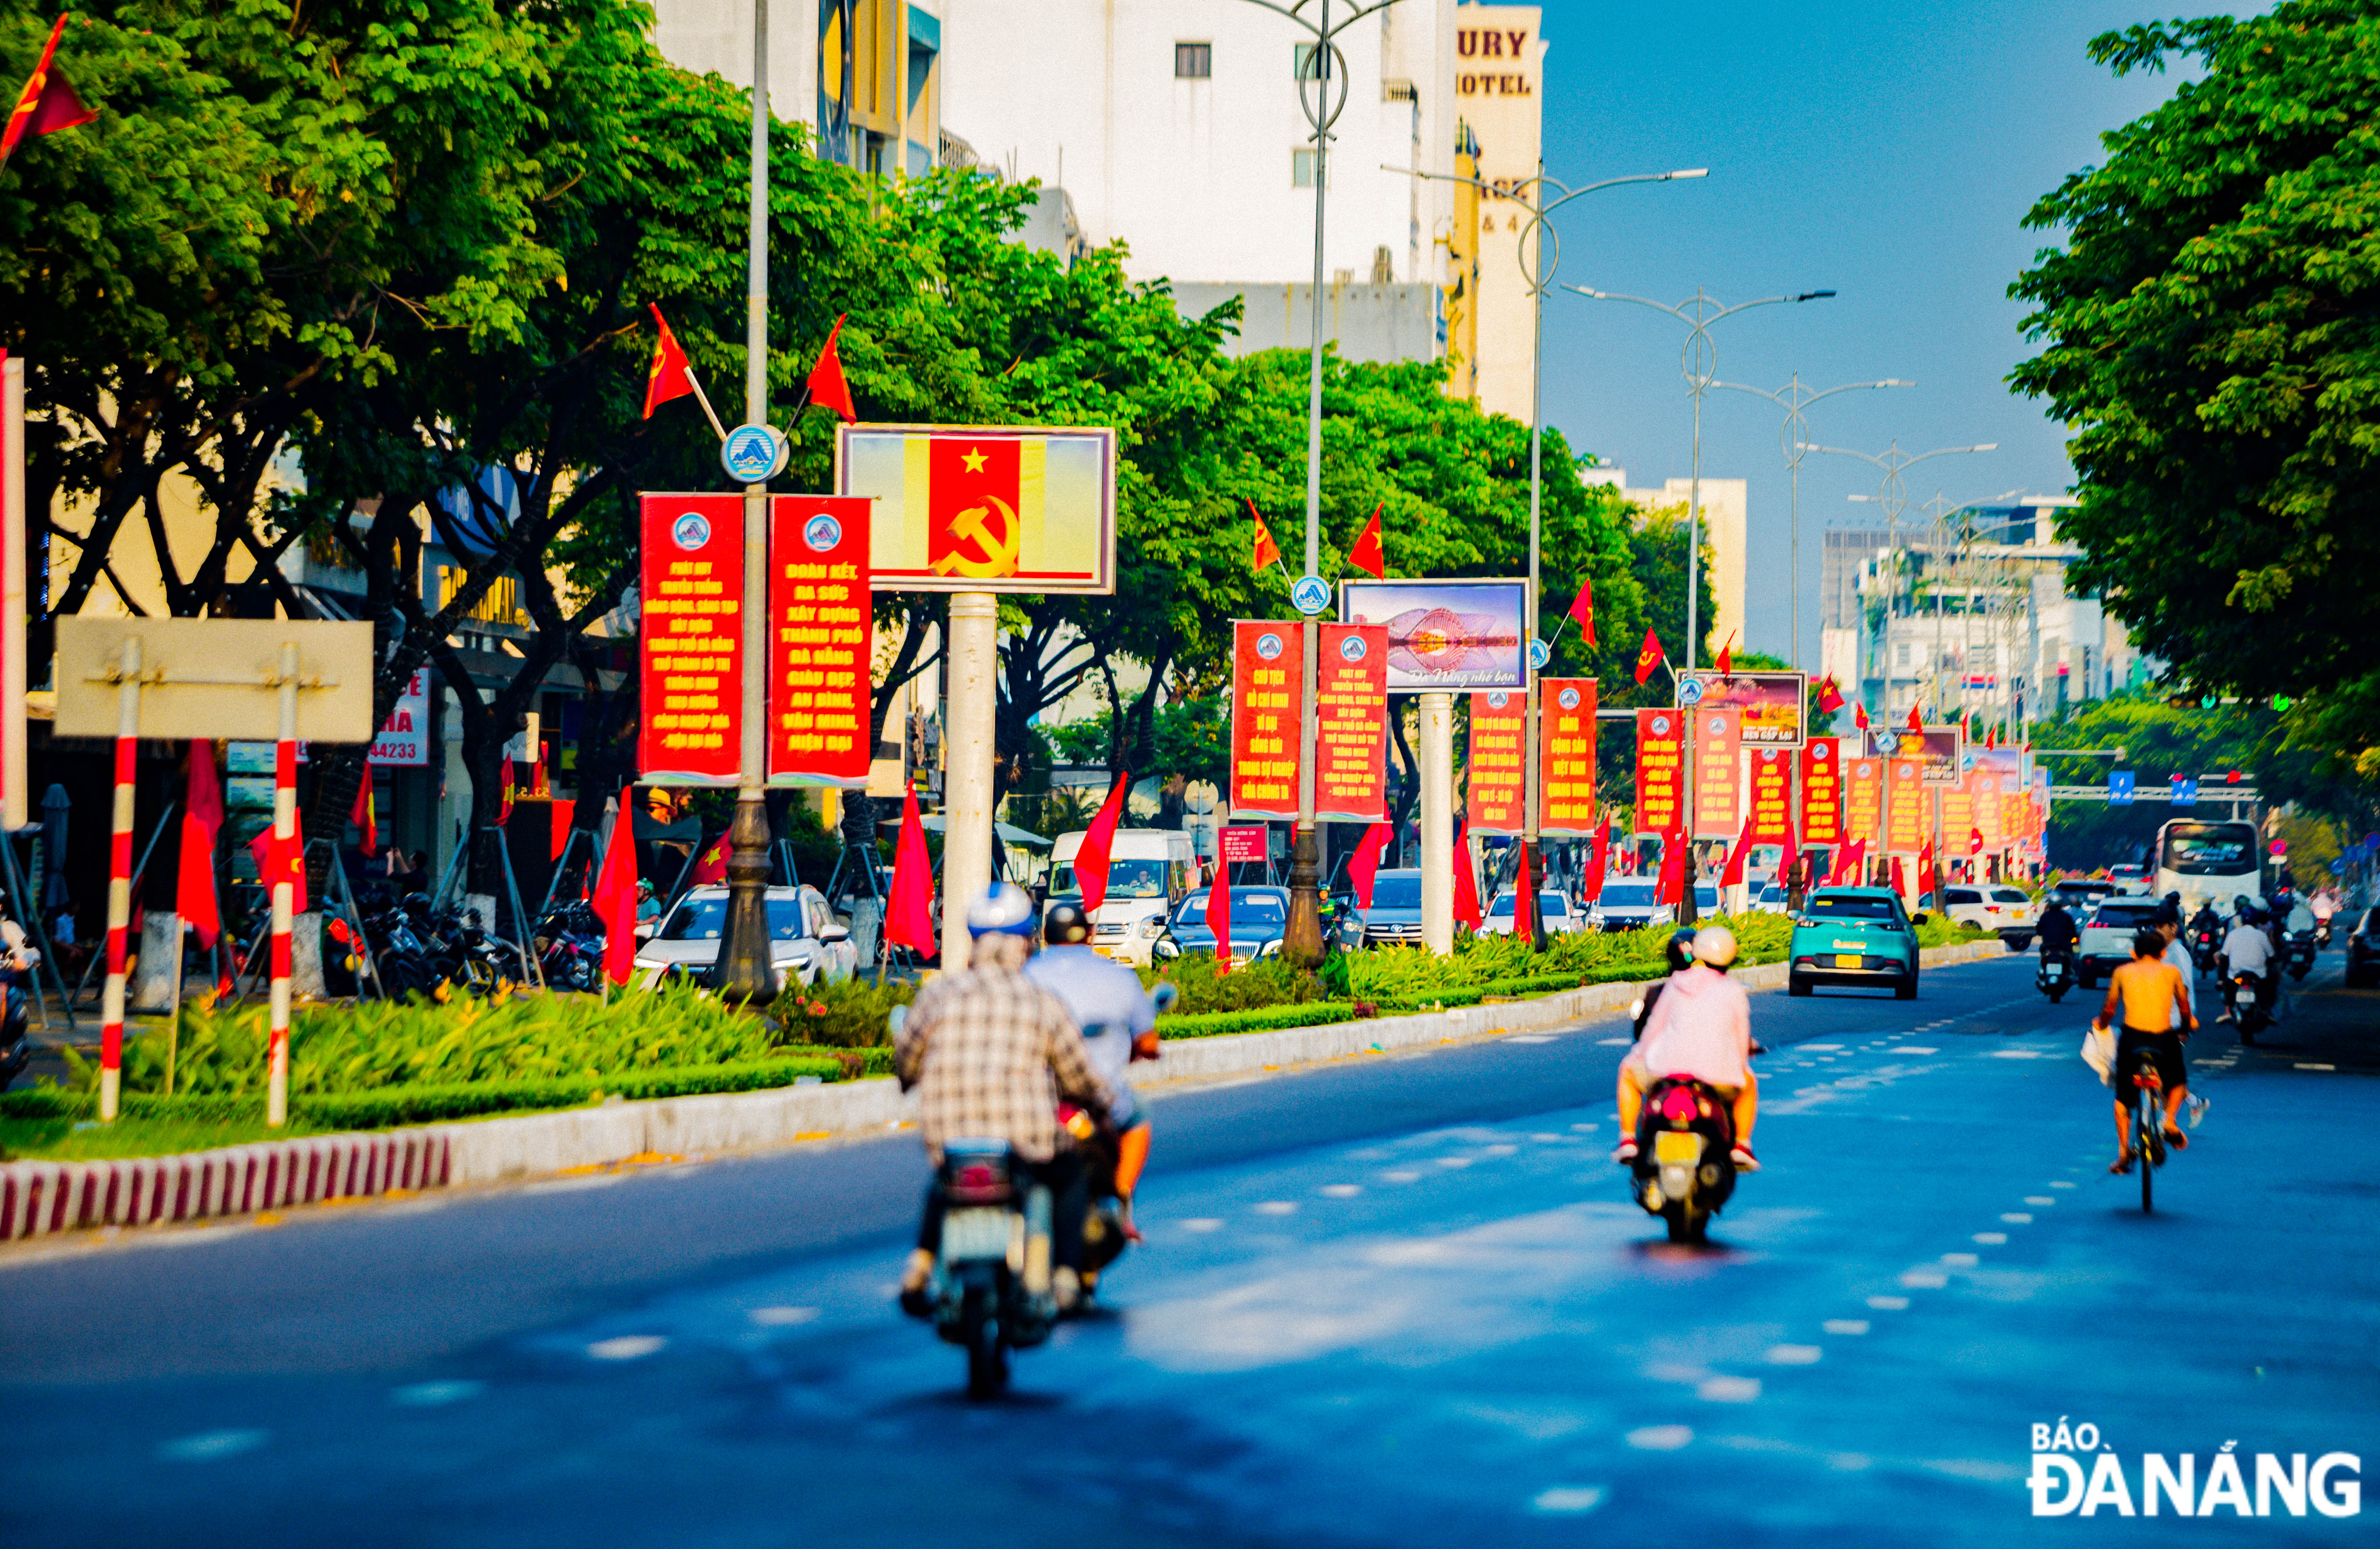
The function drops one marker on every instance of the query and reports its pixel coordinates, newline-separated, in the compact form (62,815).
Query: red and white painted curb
(40,1198)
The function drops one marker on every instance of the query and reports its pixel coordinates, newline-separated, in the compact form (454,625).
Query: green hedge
(1263,1018)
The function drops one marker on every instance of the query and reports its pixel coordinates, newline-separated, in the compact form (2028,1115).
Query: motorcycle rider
(990,1054)
(2153,1000)
(2206,923)
(1679,952)
(2055,929)
(1119,1023)
(1702,1029)
(2249,951)
(19,957)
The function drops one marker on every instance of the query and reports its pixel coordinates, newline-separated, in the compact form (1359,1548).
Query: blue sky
(1886,151)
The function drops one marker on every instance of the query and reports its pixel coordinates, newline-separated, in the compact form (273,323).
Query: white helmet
(1005,909)
(1715,947)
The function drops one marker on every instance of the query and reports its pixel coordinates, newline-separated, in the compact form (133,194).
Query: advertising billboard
(1566,755)
(1767,705)
(1935,749)
(1445,636)
(1351,725)
(691,586)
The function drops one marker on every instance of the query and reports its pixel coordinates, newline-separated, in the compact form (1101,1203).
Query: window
(1194,61)
(1301,169)
(1301,64)
(1900,654)
(1853,905)
(1397,893)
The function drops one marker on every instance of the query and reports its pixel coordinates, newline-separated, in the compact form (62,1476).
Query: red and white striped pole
(286,853)
(119,880)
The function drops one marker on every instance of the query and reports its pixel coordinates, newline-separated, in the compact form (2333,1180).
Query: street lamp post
(1794,398)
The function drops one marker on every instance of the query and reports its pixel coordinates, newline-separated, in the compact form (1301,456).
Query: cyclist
(2153,1000)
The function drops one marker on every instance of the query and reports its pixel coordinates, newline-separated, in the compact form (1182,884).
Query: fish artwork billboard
(1445,636)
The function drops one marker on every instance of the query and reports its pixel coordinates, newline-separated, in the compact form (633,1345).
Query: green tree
(2208,334)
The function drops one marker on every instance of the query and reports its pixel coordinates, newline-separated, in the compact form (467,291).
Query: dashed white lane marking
(1991,1239)
(1916,1049)
(1582,1129)
(2303,1065)
(1889,1304)
(1568,1500)
(1499,1151)
(206,1445)
(1530,1037)
(1922,1280)
(1277,1207)
(781,1317)
(1823,1048)
(2041,1198)
(1851,1327)
(1659,1438)
(1960,1261)
(2060,1183)
(1202,1223)
(1613,1043)
(429,1395)
(1401,1176)
(2018,1053)
(1548,1137)
(1341,1190)
(1729,1390)
(2016,1218)
(626,1346)
(1794,1355)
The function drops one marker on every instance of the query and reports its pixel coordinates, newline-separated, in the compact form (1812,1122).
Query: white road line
(1795,1354)
(1992,1239)
(2016,1218)
(1341,1190)
(1889,1304)
(1846,1325)
(626,1346)
(1277,1207)
(1960,1261)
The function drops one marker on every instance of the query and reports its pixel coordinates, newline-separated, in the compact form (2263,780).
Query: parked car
(807,942)
(1560,918)
(1770,899)
(2363,952)
(1627,905)
(1394,919)
(1150,872)
(1259,920)
(1994,906)
(2108,933)
(1857,936)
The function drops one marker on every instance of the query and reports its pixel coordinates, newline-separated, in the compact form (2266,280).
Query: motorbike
(992,1291)
(2248,1007)
(2299,954)
(2322,933)
(2206,948)
(1104,1238)
(1682,1172)
(569,945)
(16,1047)
(2056,975)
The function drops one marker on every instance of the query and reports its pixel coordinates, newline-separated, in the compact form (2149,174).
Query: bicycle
(2148,1130)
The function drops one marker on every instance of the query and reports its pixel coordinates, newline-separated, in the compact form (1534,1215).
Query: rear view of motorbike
(992,1291)
(1682,1172)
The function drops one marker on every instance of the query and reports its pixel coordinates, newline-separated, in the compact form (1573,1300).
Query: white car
(2106,942)
(1560,918)
(1994,906)
(1768,899)
(2128,879)
(807,942)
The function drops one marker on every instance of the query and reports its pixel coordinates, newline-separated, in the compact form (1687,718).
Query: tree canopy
(2209,333)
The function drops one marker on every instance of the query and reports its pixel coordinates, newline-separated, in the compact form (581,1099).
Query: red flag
(1367,555)
(563,811)
(1929,878)
(1522,884)
(504,806)
(2232,778)
(712,867)
(1466,886)
(1900,884)
(668,377)
(1268,552)
(47,103)
(1737,855)
(1219,916)
(909,912)
(1600,857)
(1669,887)
(1830,698)
(1915,722)
(278,862)
(1974,841)
(1726,660)
(203,814)
(1859,717)
(1648,655)
(1789,857)
(1582,608)
(1992,735)
(1849,861)
(1365,864)
(615,894)
(1091,861)
(827,389)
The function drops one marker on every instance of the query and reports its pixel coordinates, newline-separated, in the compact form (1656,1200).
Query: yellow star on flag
(974,460)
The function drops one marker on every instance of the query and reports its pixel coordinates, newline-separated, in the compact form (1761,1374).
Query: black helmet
(1681,950)
(1065,925)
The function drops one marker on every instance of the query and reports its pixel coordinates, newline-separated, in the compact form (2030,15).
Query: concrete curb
(40,1198)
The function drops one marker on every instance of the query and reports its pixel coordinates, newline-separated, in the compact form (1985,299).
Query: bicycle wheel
(2150,1142)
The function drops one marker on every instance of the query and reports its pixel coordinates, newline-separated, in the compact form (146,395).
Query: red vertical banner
(1864,801)
(691,586)
(1958,816)
(1268,665)
(1660,770)
(1772,796)
(1566,755)
(1984,797)
(1351,725)
(1499,724)
(1719,737)
(821,634)
(1822,792)
(1908,805)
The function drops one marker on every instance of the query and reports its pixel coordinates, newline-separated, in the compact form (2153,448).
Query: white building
(1725,521)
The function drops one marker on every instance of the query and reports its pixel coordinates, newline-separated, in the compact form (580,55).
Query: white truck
(1150,871)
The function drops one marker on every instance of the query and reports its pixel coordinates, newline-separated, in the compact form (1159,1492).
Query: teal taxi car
(1856,937)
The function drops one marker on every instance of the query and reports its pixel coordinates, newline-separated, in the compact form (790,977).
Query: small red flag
(1974,841)
(1928,879)
(202,815)
(47,103)
(278,862)
(1830,698)
(1268,552)
(615,894)
(1592,888)
(712,867)
(1365,864)
(1915,722)
(827,389)
(2232,778)
(1992,735)
(1726,660)
(1582,608)
(1648,655)
(1099,842)
(505,802)
(563,809)
(1899,884)
(1466,886)
(909,911)
(1669,887)
(1859,717)
(364,816)
(1219,916)
(1790,857)
(1736,856)
(1367,555)
(669,376)
(1524,885)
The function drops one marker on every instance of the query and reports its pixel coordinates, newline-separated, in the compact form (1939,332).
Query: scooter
(2299,954)
(2206,948)
(1682,1171)
(2056,975)
(992,1290)
(1104,1237)
(2248,1007)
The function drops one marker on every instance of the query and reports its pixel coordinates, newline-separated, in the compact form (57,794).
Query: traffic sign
(1311,595)
(2185,791)
(2119,787)
(1689,691)
(753,454)
(1538,655)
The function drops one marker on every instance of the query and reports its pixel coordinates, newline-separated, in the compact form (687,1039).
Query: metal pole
(966,805)
(1526,923)
(1438,823)
(284,839)
(745,973)
(1302,941)
(119,879)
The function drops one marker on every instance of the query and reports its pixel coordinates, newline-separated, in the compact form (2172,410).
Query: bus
(2209,862)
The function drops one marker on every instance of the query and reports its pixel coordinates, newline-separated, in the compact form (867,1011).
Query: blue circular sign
(1538,655)
(821,532)
(1498,700)
(690,532)
(1567,699)
(752,454)
(1353,649)
(1660,726)
(1311,595)
(1689,691)
(1268,646)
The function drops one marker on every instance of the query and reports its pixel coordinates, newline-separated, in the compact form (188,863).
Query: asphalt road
(1393,1301)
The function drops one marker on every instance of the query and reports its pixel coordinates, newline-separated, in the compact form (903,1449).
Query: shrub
(1266,1018)
(1269,982)
(851,1014)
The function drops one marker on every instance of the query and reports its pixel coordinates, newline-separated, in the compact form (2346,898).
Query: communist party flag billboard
(821,634)
(1660,770)
(1268,673)
(1351,725)
(1499,724)
(1566,755)
(985,508)
(1822,792)
(1772,796)
(691,586)
(1908,807)
(1717,738)
(1864,801)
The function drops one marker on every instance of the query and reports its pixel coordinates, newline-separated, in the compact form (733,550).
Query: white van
(1149,870)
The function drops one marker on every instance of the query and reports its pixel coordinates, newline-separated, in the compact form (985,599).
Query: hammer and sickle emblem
(1000,553)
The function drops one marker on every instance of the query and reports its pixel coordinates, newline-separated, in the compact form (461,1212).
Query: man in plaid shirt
(990,1054)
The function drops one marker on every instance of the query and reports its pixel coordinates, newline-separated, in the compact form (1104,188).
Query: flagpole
(704,399)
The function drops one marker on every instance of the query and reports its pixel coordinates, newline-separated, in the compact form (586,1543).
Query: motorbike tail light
(1677,1103)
